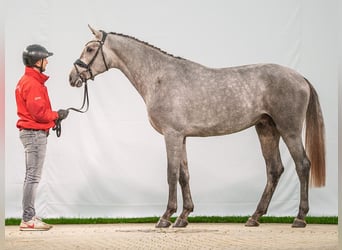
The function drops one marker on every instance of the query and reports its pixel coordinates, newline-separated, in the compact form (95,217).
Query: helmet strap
(41,65)
(40,68)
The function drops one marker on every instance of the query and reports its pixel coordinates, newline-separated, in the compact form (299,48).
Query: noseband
(87,68)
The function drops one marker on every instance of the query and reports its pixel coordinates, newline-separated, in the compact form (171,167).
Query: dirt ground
(195,236)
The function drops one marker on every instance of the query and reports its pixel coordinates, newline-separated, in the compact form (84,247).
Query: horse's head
(93,60)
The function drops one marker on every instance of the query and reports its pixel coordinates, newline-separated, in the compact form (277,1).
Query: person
(35,120)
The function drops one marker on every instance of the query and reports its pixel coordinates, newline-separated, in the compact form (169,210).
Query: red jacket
(33,102)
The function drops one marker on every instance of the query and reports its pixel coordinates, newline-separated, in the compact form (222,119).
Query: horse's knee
(184,179)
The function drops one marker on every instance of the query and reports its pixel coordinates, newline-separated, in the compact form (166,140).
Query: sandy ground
(195,236)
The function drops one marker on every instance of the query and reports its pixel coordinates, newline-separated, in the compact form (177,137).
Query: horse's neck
(139,62)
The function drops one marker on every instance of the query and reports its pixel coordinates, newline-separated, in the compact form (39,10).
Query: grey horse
(184,98)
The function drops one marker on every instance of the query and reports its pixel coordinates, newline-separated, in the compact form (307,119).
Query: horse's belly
(203,121)
(216,127)
(210,117)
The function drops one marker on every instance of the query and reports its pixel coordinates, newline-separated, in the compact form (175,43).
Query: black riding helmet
(33,53)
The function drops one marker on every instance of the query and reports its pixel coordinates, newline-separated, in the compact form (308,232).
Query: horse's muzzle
(75,80)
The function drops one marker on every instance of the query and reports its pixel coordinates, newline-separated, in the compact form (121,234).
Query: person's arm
(38,105)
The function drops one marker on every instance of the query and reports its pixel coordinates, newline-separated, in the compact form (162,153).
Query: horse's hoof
(252,223)
(180,223)
(298,223)
(162,223)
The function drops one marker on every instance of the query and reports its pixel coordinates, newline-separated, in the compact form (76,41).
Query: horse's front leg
(188,205)
(174,146)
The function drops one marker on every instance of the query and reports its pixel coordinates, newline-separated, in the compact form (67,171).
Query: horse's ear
(96,33)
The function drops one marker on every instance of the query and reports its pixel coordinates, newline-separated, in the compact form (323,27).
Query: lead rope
(58,122)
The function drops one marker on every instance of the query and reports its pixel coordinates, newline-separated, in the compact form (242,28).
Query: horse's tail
(315,139)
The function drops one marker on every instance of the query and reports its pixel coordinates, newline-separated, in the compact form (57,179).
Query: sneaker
(36,224)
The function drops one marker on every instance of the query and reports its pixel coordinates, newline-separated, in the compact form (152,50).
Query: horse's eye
(89,49)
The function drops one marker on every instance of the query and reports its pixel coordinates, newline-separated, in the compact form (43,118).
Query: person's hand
(62,114)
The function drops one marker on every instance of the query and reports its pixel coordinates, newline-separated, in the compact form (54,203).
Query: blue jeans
(35,149)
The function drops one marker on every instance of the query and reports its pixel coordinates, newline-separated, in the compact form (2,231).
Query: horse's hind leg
(296,148)
(188,206)
(269,140)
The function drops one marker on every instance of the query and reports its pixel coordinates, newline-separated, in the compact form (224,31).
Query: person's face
(42,63)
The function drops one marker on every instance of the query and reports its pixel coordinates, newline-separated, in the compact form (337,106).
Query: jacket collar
(42,78)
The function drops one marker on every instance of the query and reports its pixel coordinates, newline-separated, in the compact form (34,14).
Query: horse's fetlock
(172,210)
(188,207)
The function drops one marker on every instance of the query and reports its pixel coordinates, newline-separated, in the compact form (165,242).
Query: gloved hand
(62,114)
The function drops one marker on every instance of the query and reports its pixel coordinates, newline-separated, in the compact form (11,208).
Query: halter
(82,64)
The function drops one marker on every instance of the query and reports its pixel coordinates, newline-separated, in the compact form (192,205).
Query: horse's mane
(147,44)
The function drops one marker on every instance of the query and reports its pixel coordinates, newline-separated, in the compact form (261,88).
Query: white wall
(110,162)
(2,125)
(340,120)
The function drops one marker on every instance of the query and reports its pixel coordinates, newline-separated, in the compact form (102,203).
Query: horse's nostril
(72,83)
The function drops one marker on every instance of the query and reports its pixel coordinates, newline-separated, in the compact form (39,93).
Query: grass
(195,219)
